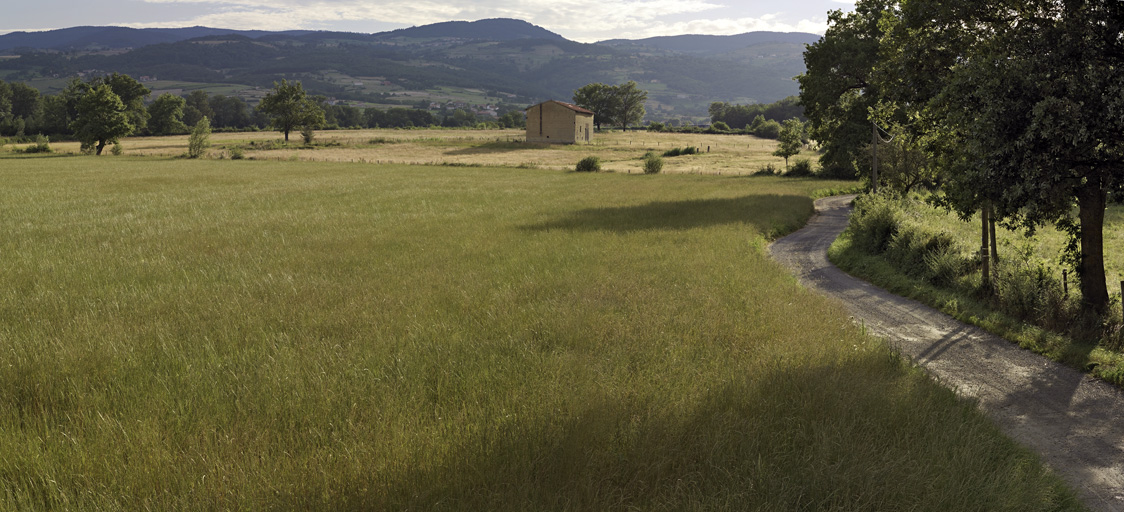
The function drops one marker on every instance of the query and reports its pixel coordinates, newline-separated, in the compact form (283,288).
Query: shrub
(308,133)
(117,149)
(236,153)
(589,164)
(720,126)
(655,127)
(42,145)
(653,163)
(1029,289)
(200,138)
(766,170)
(801,168)
(874,223)
(689,150)
(768,130)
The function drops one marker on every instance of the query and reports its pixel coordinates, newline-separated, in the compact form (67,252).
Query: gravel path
(1075,422)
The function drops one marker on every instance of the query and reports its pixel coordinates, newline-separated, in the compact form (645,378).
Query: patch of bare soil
(1075,422)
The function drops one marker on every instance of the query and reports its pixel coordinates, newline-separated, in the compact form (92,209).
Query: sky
(585,21)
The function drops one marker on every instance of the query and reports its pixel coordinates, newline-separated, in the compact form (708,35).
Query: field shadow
(497,147)
(785,437)
(772,214)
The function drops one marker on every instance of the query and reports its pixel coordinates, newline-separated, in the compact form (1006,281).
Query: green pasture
(256,335)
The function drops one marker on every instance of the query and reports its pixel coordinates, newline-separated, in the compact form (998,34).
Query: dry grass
(619,151)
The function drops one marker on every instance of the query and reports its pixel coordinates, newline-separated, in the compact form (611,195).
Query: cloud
(580,20)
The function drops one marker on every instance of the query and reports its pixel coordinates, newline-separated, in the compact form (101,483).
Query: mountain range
(504,58)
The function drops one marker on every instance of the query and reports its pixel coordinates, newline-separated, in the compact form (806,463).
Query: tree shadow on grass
(497,147)
(789,438)
(772,215)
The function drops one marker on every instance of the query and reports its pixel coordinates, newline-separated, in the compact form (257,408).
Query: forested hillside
(512,58)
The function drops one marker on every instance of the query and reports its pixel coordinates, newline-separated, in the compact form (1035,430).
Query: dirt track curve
(1075,422)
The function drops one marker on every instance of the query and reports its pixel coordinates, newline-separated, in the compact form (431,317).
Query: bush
(874,223)
(42,145)
(589,164)
(801,168)
(117,149)
(308,133)
(768,130)
(1028,288)
(200,138)
(720,126)
(766,170)
(236,153)
(655,127)
(689,150)
(653,163)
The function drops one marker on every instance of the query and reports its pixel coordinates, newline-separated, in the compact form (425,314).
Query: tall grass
(908,247)
(251,335)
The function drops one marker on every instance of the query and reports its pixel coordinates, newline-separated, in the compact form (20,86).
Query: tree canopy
(622,105)
(290,108)
(1020,104)
(101,117)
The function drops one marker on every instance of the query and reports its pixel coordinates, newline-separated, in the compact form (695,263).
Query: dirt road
(1074,422)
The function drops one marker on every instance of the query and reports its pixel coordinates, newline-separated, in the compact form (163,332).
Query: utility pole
(985,276)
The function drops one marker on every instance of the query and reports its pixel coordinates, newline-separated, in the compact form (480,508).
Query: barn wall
(554,123)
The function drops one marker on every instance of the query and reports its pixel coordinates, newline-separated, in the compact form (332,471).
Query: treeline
(1014,111)
(25,112)
(739,117)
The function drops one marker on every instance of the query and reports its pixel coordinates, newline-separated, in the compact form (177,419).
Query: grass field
(619,151)
(254,335)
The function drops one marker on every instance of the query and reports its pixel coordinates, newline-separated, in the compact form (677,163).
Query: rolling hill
(520,61)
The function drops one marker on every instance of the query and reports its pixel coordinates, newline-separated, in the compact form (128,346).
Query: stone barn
(559,123)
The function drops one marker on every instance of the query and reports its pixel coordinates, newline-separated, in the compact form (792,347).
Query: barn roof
(570,106)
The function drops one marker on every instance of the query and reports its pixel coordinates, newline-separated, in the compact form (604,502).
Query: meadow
(218,334)
(619,151)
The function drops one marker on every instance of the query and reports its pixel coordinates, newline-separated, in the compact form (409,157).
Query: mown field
(619,151)
(209,334)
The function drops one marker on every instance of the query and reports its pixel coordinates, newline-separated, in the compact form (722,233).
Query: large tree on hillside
(101,117)
(290,108)
(838,90)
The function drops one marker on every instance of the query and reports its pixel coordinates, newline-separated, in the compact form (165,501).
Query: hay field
(250,335)
(619,151)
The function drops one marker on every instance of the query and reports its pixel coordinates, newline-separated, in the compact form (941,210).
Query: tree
(197,107)
(599,99)
(629,104)
(838,90)
(101,118)
(132,94)
(791,138)
(1033,110)
(229,111)
(166,115)
(289,108)
(621,105)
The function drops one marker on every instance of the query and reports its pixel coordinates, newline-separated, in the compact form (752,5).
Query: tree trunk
(286,135)
(101,146)
(985,268)
(1091,203)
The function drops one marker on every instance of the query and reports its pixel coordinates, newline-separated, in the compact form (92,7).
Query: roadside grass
(619,151)
(209,335)
(1080,346)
